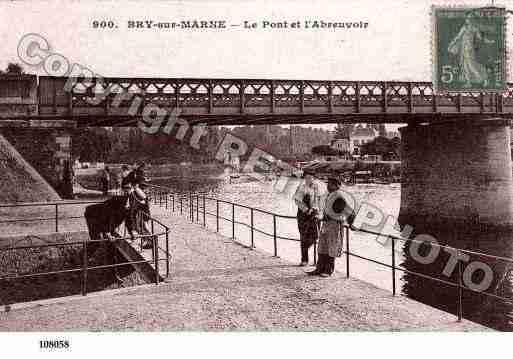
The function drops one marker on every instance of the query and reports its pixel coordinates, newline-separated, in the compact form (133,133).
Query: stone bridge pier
(457,175)
(457,186)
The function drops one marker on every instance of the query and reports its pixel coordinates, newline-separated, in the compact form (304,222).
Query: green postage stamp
(469,49)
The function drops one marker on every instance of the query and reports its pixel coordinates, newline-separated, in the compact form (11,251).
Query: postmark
(469,49)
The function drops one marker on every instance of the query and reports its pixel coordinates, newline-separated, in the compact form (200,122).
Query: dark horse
(102,221)
(103,218)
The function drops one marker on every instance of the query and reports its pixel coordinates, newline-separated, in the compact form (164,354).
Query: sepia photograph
(231,174)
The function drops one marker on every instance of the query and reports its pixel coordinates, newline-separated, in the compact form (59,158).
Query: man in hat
(307,199)
(334,217)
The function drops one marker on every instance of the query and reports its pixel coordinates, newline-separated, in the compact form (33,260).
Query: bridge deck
(121,101)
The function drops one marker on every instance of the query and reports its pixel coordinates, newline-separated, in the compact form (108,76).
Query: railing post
(191,208)
(173,201)
(217,215)
(155,241)
(204,213)
(233,220)
(393,266)
(460,288)
(347,252)
(151,238)
(167,195)
(84,267)
(56,217)
(274,236)
(181,205)
(197,208)
(252,230)
(315,252)
(167,252)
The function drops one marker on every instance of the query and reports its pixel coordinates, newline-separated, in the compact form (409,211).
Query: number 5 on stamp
(469,49)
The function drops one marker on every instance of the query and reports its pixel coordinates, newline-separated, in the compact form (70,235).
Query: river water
(263,195)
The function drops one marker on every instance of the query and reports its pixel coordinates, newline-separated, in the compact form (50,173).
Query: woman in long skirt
(307,199)
(331,233)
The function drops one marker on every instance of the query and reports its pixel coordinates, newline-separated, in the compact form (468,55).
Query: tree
(343,131)
(14,69)
(382,146)
(91,145)
(324,150)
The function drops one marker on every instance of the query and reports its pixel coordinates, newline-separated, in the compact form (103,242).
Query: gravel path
(216,284)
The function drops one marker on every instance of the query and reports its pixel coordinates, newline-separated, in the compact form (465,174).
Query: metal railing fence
(194,205)
(162,232)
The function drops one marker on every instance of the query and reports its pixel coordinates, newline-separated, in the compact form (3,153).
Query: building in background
(342,145)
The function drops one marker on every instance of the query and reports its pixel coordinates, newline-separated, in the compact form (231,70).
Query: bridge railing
(195,207)
(10,247)
(261,96)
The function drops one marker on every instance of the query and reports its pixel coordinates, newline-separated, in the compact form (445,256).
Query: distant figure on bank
(331,233)
(105,180)
(125,171)
(68,180)
(307,199)
(140,174)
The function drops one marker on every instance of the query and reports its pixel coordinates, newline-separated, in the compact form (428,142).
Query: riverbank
(216,284)
(89,178)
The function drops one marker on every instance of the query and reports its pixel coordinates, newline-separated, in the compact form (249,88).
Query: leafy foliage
(13,68)
(388,148)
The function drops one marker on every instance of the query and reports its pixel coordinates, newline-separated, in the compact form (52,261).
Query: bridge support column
(456,174)
(457,186)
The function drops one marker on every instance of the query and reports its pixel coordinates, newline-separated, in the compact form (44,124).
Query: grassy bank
(26,261)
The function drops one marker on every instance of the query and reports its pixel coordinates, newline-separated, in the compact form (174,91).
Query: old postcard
(253,166)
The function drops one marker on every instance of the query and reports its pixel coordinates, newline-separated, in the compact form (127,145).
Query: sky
(396,45)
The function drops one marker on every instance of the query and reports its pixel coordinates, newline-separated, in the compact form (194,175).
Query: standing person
(106,180)
(307,199)
(140,173)
(125,171)
(139,213)
(68,179)
(331,234)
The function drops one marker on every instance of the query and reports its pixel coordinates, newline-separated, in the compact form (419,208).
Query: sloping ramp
(130,254)
(19,181)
